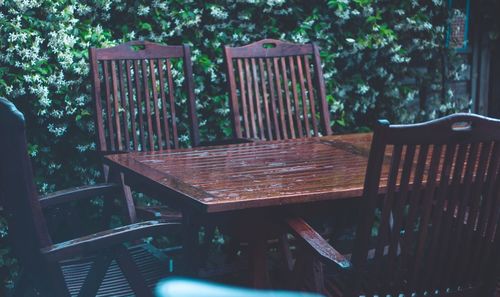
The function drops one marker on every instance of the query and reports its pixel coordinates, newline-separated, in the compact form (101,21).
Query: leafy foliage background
(378,56)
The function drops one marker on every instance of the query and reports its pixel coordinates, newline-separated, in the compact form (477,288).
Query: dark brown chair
(276,90)
(137,87)
(430,215)
(98,264)
(144,101)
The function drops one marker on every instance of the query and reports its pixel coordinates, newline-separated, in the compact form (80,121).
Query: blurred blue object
(183,287)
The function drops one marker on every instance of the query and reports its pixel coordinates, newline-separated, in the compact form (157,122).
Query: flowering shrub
(379,58)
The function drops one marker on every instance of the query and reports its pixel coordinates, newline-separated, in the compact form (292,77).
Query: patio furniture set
(427,195)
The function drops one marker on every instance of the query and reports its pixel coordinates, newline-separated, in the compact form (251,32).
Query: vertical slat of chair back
(27,227)
(138,89)
(276,90)
(432,208)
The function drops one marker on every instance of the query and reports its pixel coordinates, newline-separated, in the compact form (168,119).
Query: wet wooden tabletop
(260,174)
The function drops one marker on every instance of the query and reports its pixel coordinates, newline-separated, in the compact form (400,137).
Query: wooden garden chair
(144,101)
(108,263)
(430,215)
(276,90)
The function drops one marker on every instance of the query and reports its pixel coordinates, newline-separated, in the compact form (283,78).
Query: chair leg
(190,248)
(298,273)
(284,247)
(258,259)
(318,275)
(205,247)
(308,272)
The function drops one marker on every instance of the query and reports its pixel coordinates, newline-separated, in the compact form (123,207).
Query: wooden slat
(173,114)
(488,200)
(398,212)
(270,77)
(147,102)
(155,103)
(287,96)
(472,212)
(124,104)
(243,94)
(427,208)
(414,206)
(189,86)
(257,99)
(96,88)
(311,95)
(451,273)
(438,214)
(139,104)
(131,104)
(449,215)
(304,98)
(233,98)
(320,87)
(265,102)
(95,276)
(295,97)
(116,102)
(166,128)
(132,272)
(251,98)
(388,201)
(109,110)
(277,80)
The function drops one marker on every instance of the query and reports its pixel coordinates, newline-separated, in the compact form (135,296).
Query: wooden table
(247,182)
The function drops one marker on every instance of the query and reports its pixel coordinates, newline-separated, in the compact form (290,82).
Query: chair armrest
(73,194)
(313,240)
(229,141)
(92,243)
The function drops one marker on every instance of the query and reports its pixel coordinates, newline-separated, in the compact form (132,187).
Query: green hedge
(377,56)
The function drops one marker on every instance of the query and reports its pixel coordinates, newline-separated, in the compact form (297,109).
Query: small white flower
(363,89)
(143,10)
(218,12)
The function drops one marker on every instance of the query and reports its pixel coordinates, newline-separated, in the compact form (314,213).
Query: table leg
(190,250)
(259,263)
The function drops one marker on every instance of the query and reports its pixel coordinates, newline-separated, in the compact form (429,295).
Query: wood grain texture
(231,177)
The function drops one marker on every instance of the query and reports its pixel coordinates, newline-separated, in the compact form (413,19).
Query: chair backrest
(432,207)
(276,90)
(137,89)
(27,227)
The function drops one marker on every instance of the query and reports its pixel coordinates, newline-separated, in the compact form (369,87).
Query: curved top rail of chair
(457,127)
(138,49)
(268,48)
(9,114)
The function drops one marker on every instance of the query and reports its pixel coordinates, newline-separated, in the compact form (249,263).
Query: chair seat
(152,263)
